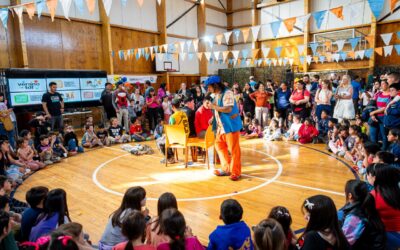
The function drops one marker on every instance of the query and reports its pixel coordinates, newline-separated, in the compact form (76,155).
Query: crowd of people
(356,121)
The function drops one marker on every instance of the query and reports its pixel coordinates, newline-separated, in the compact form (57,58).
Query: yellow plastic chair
(175,138)
(205,143)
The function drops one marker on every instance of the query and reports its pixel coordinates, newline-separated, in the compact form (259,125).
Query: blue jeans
(379,129)
(9,134)
(72,146)
(57,121)
(392,240)
(322,107)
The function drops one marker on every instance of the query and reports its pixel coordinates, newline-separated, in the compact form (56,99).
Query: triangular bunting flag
(368,53)
(189,44)
(182,46)
(302,20)
(237,34)
(343,56)
(245,53)
(199,55)
(18,10)
(216,55)
(235,54)
(182,56)
(388,50)
(196,44)
(146,56)
(291,61)
(319,17)
(52,6)
(397,47)
(246,33)
(278,51)
(301,60)
(30,9)
(340,44)
(376,6)
(266,51)
(152,56)
(328,44)
(386,38)
(393,4)
(40,4)
(289,23)
(255,53)
(219,38)
(338,12)
(369,39)
(322,59)
(227,36)
(336,57)
(379,51)
(360,54)
(254,31)
(190,56)
(314,47)
(274,61)
(275,27)
(91,5)
(140,2)
(79,5)
(4,16)
(351,54)
(309,59)
(285,61)
(300,48)
(120,54)
(354,41)
(398,34)
(316,59)
(107,6)
(225,55)
(66,5)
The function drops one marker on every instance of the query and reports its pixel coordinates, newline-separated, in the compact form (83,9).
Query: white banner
(134,79)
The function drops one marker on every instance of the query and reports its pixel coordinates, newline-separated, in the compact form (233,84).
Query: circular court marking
(269,181)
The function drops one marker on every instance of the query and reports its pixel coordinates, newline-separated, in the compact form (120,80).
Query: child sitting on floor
(307,132)
(235,234)
(360,123)
(246,124)
(57,145)
(394,148)
(115,132)
(26,134)
(323,127)
(289,121)
(356,155)
(255,130)
(272,132)
(282,215)
(159,130)
(89,121)
(102,134)
(293,133)
(90,139)
(336,145)
(71,142)
(26,154)
(279,119)
(45,151)
(136,131)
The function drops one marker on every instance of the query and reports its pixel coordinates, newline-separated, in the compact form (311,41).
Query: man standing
(120,102)
(356,92)
(227,125)
(53,106)
(148,88)
(107,100)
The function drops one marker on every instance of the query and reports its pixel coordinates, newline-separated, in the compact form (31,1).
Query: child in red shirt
(136,131)
(307,132)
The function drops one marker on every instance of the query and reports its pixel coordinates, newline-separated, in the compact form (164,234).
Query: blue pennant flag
(156,49)
(278,51)
(397,47)
(376,6)
(112,53)
(368,53)
(322,59)
(230,61)
(275,28)
(302,59)
(4,16)
(79,5)
(319,17)
(285,61)
(137,55)
(245,53)
(211,60)
(171,48)
(121,54)
(147,55)
(354,41)
(237,34)
(314,47)
(123,2)
(398,34)
(190,56)
(243,63)
(343,55)
(269,62)
(40,4)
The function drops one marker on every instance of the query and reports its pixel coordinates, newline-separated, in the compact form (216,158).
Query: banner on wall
(134,79)
(65,83)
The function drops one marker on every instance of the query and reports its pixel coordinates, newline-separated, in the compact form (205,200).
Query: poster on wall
(91,95)
(23,85)
(71,95)
(133,79)
(26,98)
(93,83)
(65,83)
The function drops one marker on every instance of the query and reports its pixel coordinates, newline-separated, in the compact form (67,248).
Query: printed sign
(93,83)
(135,79)
(71,95)
(65,83)
(26,98)
(91,95)
(23,85)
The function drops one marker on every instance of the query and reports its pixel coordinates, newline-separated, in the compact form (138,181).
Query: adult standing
(184,92)
(121,101)
(148,87)
(198,98)
(261,99)
(377,126)
(139,102)
(107,100)
(344,108)
(53,106)
(300,99)
(227,125)
(323,99)
(282,100)
(392,116)
(248,104)
(252,82)
(7,127)
(355,83)
(153,104)
(161,92)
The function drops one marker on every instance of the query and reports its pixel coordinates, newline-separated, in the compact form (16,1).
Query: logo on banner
(29,85)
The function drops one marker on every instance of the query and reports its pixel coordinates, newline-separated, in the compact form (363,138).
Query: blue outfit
(392,119)
(356,90)
(323,126)
(253,84)
(44,227)
(230,121)
(282,99)
(394,148)
(232,236)
(28,220)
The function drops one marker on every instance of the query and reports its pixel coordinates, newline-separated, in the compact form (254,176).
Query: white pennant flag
(216,55)
(208,55)
(235,54)
(388,50)
(302,20)
(266,51)
(254,31)
(300,49)
(107,6)
(182,56)
(336,57)
(360,54)
(160,56)
(386,38)
(196,44)
(18,10)
(309,59)
(340,44)
(182,46)
(227,36)
(189,44)
(274,61)
(291,61)
(248,62)
(66,5)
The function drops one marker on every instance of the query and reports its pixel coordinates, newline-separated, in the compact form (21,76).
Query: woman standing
(248,104)
(323,99)
(344,108)
(300,99)
(139,102)
(261,100)
(161,92)
(198,98)
(282,98)
(153,105)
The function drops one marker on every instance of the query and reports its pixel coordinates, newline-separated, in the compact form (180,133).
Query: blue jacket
(232,236)
(392,119)
(230,121)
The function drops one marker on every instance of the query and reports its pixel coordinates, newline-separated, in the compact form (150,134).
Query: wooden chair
(175,138)
(205,143)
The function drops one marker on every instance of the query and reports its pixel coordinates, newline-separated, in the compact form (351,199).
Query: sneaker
(234,177)
(220,172)
(48,162)
(65,155)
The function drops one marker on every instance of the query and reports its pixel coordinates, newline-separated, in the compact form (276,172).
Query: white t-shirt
(365,98)
(228,101)
(167,107)
(294,128)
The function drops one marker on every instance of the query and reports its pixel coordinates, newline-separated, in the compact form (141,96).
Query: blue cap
(212,80)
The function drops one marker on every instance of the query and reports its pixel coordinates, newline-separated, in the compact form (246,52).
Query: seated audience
(307,132)
(41,126)
(255,130)
(7,241)
(159,130)
(273,132)
(71,142)
(323,126)
(26,154)
(102,134)
(57,145)
(90,139)
(392,113)
(269,235)
(75,230)
(45,151)
(293,133)
(136,131)
(282,215)
(116,132)
(202,117)
(13,169)
(394,147)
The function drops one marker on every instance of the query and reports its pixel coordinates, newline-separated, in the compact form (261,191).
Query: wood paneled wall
(63,44)
(8,56)
(394,59)
(175,81)
(123,39)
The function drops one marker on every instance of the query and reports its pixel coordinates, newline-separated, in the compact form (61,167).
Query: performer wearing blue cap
(227,125)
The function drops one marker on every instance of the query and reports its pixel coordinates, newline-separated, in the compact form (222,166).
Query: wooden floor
(276,173)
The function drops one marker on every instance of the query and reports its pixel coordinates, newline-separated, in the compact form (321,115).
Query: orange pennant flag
(255,52)
(329,57)
(176,56)
(289,23)
(393,4)
(289,51)
(328,44)
(379,51)
(140,2)
(199,55)
(219,38)
(30,9)
(246,33)
(239,61)
(316,59)
(338,12)
(52,6)
(351,54)
(369,39)
(152,56)
(146,50)
(91,4)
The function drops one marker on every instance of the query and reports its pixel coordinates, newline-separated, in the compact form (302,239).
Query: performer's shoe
(234,177)
(220,172)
